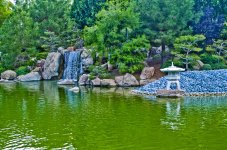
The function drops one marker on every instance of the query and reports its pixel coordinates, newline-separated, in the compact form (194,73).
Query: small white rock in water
(75,89)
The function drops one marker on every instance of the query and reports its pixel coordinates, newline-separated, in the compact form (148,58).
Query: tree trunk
(163,51)
(186,65)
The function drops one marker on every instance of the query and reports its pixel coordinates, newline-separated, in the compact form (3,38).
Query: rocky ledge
(194,83)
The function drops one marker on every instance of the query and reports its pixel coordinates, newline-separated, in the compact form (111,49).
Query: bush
(219,66)
(42,55)
(209,59)
(22,70)
(206,67)
(129,58)
(98,71)
(2,69)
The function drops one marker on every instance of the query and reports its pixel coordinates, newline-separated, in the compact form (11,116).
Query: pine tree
(164,20)
(210,25)
(18,33)
(113,36)
(186,48)
(84,11)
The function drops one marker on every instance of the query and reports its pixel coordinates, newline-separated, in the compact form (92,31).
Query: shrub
(206,67)
(22,70)
(42,55)
(219,66)
(2,69)
(130,57)
(98,71)
(209,59)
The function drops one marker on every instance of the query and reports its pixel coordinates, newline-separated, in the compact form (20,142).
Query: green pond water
(42,115)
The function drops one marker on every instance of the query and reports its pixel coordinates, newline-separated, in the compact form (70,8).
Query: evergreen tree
(220,6)
(164,20)
(84,11)
(209,25)
(186,48)
(18,33)
(52,15)
(224,32)
(112,35)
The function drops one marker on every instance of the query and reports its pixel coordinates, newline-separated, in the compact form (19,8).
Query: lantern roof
(172,69)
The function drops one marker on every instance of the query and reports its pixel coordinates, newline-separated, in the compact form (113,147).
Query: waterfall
(73,65)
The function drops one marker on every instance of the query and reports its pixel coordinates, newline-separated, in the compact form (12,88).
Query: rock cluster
(193,82)
(123,81)
(126,80)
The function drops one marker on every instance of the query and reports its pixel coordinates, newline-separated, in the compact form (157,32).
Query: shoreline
(193,94)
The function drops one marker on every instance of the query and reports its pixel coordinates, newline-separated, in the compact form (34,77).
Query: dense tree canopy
(84,11)
(112,35)
(220,6)
(115,30)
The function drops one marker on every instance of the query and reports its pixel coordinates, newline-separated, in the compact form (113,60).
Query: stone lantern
(173,76)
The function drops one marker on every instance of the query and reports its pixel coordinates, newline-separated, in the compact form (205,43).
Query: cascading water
(72,67)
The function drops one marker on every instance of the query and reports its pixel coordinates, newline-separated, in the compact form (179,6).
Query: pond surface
(41,115)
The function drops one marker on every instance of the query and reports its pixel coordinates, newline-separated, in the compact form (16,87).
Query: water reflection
(201,105)
(172,118)
(43,115)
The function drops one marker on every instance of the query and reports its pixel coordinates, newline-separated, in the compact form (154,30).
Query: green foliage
(5,10)
(164,20)
(118,30)
(186,48)
(208,58)
(51,15)
(132,54)
(112,36)
(2,69)
(71,38)
(50,41)
(219,66)
(98,71)
(84,11)
(224,32)
(42,55)
(176,61)
(206,67)
(18,33)
(216,62)
(22,70)
(219,6)
(35,25)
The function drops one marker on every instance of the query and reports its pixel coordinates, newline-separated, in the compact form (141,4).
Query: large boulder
(8,75)
(86,57)
(108,82)
(147,73)
(96,82)
(83,79)
(126,80)
(52,66)
(198,65)
(32,76)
